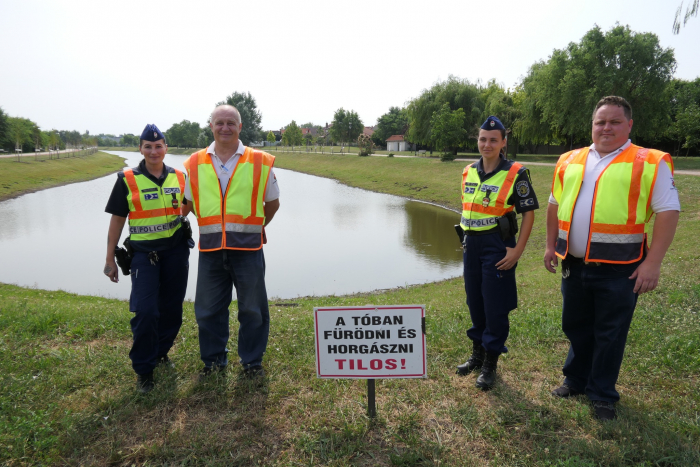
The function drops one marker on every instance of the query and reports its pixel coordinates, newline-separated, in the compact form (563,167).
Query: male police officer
(151,196)
(602,197)
(492,189)
(233,192)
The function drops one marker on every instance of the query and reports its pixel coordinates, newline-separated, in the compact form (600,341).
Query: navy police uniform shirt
(118,203)
(523,198)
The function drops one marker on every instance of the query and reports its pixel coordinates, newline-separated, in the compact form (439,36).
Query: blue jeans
(599,302)
(157,293)
(220,271)
(491,293)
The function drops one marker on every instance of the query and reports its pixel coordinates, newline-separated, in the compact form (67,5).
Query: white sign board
(371,342)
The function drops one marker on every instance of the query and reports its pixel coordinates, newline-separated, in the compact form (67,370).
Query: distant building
(368,130)
(397,143)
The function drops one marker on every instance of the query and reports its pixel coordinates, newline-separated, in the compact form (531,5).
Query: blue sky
(112,67)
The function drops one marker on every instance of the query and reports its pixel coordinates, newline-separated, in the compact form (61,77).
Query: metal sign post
(370,342)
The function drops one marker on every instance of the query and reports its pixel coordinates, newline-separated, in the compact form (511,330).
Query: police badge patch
(523,188)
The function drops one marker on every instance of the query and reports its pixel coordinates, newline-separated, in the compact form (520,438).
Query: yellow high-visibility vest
(234,221)
(480,212)
(154,211)
(621,202)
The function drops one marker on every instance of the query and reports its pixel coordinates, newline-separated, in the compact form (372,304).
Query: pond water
(327,238)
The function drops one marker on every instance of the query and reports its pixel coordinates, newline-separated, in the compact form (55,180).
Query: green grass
(32,175)
(67,390)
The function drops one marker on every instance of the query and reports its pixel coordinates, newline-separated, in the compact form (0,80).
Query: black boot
(145,383)
(475,360)
(488,371)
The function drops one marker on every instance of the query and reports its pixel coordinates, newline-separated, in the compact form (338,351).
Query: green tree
(130,140)
(54,140)
(684,97)
(293,134)
(447,131)
(183,134)
(457,94)
(394,122)
(620,62)
(270,137)
(346,126)
(20,131)
(4,128)
(688,126)
(205,137)
(250,116)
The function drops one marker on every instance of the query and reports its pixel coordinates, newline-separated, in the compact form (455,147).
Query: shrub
(447,156)
(365,144)
(391,154)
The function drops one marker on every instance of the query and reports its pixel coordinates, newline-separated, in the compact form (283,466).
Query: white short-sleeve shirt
(225,170)
(663,198)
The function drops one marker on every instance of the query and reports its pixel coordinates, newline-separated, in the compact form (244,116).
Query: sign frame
(417,320)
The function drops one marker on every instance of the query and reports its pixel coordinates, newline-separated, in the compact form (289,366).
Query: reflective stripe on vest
(476,216)
(617,229)
(151,212)
(234,221)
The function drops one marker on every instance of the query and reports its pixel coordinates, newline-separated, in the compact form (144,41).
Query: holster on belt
(187,231)
(507,225)
(123,257)
(460,233)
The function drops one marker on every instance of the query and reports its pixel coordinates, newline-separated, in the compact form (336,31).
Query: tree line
(553,103)
(25,135)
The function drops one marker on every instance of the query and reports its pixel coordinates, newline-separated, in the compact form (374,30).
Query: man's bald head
(226,111)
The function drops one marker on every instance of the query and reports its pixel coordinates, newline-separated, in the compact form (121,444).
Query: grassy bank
(30,175)
(67,398)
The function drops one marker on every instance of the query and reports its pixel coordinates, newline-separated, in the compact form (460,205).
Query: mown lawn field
(67,389)
(32,175)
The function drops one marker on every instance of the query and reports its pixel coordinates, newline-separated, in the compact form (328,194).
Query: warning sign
(371,342)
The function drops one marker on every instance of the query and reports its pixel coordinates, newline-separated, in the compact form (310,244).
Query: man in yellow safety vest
(233,191)
(602,198)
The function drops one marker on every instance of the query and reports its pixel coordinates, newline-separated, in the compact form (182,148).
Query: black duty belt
(575,260)
(472,233)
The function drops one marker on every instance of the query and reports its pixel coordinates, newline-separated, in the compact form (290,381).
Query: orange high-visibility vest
(621,202)
(154,211)
(478,215)
(235,220)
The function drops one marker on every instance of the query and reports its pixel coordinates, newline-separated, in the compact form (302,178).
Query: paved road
(43,153)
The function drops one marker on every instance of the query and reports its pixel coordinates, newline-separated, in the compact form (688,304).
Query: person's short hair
(614,100)
(238,114)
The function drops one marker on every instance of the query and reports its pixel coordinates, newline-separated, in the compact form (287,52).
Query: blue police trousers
(491,293)
(157,293)
(599,302)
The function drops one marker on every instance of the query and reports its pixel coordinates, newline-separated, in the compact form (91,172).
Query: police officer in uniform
(151,196)
(493,190)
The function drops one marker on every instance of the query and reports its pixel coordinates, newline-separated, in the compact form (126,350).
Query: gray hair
(235,110)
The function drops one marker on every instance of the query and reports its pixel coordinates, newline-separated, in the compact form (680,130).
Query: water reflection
(327,238)
(430,233)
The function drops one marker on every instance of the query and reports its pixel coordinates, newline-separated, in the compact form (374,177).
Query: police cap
(492,123)
(152,133)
